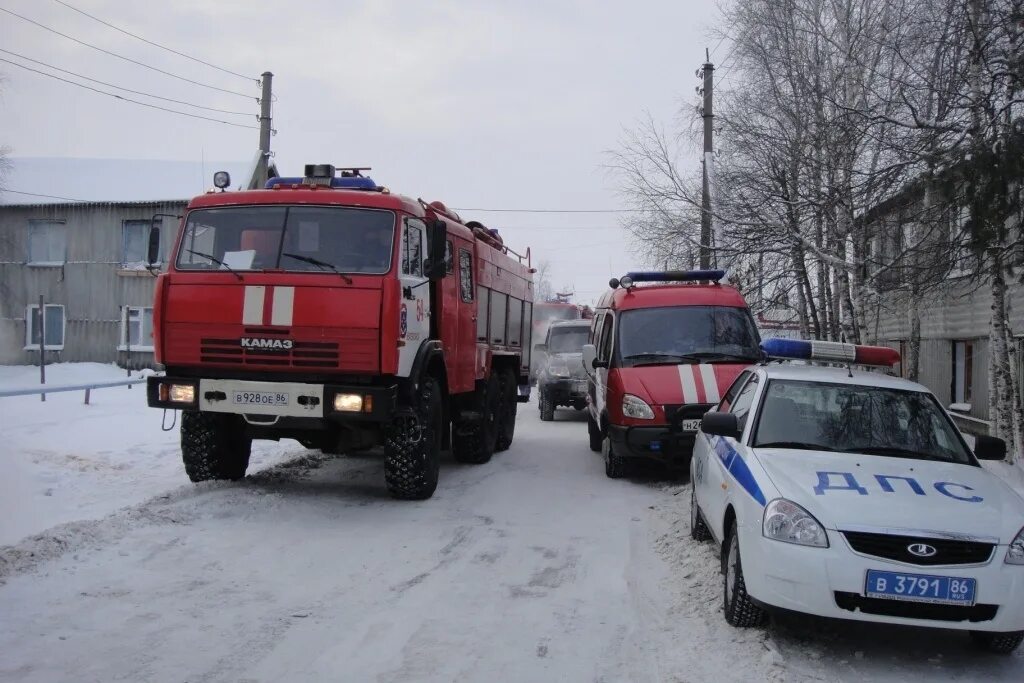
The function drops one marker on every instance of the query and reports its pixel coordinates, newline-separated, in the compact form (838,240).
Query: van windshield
(295,238)
(686,334)
(567,339)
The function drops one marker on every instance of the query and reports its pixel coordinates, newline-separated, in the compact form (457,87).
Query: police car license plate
(259,398)
(941,590)
(691,425)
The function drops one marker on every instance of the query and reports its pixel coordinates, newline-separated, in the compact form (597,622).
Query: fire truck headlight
(180,393)
(348,403)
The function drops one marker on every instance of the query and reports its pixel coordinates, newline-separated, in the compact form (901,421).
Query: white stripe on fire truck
(252,306)
(283,303)
(689,385)
(707,374)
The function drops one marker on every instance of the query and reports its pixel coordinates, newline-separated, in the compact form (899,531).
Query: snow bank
(63,461)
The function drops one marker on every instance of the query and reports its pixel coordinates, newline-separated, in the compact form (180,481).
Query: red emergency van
(659,357)
(329,310)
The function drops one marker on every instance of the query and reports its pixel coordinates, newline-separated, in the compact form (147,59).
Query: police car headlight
(786,521)
(558,370)
(1015,553)
(636,407)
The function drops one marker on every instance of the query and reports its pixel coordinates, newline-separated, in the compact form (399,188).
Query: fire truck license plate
(260,398)
(691,425)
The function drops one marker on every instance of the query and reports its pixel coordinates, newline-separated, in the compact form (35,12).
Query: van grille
(301,355)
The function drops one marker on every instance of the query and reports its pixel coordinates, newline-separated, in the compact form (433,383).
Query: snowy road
(533,567)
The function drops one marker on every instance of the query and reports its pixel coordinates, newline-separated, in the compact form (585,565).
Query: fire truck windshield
(295,238)
(687,334)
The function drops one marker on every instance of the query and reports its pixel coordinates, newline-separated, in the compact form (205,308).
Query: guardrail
(43,389)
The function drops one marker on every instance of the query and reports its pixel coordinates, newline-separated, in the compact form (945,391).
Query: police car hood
(845,490)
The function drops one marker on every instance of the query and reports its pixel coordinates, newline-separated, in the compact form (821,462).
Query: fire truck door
(414,306)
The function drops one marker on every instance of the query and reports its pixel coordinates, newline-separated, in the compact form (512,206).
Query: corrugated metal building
(87,260)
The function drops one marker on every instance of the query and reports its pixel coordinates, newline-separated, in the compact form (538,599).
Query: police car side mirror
(989,448)
(720,424)
(589,358)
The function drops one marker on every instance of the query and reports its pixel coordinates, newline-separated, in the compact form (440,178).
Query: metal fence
(43,389)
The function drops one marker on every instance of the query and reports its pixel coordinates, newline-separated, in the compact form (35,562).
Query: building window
(135,244)
(963,371)
(959,247)
(466,275)
(54,328)
(47,243)
(136,328)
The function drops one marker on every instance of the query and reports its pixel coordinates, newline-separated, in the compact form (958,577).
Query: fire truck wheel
(412,448)
(473,442)
(595,434)
(547,407)
(507,408)
(214,446)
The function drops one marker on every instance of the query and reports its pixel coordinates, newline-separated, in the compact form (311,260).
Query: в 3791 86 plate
(939,590)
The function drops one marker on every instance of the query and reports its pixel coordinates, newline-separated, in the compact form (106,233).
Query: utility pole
(705,214)
(259,178)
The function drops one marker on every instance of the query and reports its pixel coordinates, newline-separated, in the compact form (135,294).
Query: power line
(118,87)
(128,99)
(48,196)
(150,42)
(555,210)
(127,59)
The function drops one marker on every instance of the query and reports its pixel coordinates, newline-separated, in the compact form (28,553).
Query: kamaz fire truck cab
(329,310)
(659,357)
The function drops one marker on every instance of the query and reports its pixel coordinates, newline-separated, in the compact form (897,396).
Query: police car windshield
(324,239)
(694,334)
(569,339)
(856,419)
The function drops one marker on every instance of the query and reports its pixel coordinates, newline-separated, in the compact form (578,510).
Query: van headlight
(1015,552)
(636,407)
(558,370)
(786,521)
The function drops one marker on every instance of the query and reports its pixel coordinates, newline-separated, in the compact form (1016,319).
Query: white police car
(851,494)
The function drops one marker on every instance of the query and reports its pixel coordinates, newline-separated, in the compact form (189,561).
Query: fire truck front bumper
(659,443)
(262,402)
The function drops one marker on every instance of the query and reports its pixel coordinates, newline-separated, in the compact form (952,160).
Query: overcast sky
(501,105)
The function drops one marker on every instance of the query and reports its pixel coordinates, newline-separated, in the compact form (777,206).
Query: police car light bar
(629,279)
(834,352)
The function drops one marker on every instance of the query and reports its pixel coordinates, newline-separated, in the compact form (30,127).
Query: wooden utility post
(259,178)
(705,214)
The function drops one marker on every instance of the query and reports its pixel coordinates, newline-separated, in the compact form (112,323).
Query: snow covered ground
(533,567)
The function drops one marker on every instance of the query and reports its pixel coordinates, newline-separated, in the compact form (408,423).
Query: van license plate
(691,425)
(940,590)
(259,398)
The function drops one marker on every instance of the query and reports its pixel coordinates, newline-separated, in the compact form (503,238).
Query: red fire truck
(659,357)
(328,310)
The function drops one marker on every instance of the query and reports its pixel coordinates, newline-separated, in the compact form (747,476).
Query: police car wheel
(214,446)
(698,529)
(412,447)
(998,643)
(740,610)
(595,434)
(547,408)
(615,466)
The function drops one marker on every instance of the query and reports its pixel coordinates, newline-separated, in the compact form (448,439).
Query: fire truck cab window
(412,248)
(293,238)
(466,275)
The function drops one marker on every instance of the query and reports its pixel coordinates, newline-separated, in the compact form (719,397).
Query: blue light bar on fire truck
(629,279)
(832,352)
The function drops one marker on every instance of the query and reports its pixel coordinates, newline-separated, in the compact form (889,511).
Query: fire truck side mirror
(153,249)
(437,235)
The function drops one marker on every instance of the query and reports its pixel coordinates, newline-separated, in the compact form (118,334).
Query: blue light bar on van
(834,352)
(676,275)
(344,183)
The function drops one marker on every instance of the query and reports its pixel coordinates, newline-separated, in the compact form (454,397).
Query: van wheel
(547,408)
(214,446)
(508,405)
(412,447)
(473,441)
(595,434)
(740,610)
(614,465)
(997,643)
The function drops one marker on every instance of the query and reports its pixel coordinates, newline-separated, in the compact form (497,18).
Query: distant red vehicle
(659,357)
(329,310)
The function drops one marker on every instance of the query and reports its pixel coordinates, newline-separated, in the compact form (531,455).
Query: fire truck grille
(301,355)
